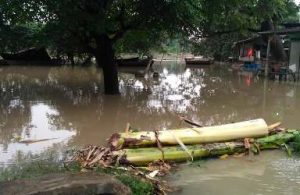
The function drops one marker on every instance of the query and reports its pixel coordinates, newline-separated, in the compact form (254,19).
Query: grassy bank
(43,167)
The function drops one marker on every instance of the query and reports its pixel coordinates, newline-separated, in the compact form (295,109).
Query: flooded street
(43,108)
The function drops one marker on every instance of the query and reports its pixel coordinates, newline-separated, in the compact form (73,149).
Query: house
(291,39)
(254,44)
(255,53)
(251,51)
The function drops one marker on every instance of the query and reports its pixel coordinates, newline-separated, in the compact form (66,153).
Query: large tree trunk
(105,58)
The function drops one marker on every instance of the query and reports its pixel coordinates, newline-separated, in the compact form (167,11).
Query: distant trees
(237,20)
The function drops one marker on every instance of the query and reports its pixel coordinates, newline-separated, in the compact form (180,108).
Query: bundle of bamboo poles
(145,147)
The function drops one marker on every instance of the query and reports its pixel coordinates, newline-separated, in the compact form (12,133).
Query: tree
(96,27)
(238,20)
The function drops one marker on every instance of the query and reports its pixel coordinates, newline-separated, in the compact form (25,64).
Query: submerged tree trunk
(105,58)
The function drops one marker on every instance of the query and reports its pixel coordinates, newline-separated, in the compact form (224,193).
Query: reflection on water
(68,104)
(38,128)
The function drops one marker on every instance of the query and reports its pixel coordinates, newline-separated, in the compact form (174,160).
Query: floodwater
(62,107)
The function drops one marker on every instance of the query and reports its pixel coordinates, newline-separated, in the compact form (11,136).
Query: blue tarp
(252,67)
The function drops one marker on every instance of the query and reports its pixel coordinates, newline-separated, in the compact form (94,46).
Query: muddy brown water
(67,106)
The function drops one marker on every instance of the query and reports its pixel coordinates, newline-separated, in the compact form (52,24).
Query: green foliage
(140,42)
(137,186)
(230,21)
(48,162)
(240,15)
(77,26)
(30,170)
(295,145)
(15,38)
(218,47)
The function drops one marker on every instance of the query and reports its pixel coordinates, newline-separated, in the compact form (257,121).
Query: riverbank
(41,168)
(76,168)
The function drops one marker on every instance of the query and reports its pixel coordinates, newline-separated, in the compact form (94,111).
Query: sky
(297,1)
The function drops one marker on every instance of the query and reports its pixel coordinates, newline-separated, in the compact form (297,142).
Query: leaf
(90,153)
(247,143)
(127,128)
(224,157)
(182,118)
(153,173)
(182,145)
(159,145)
(237,155)
(99,156)
(273,126)
(288,150)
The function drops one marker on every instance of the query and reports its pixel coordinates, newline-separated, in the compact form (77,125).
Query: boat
(134,62)
(52,62)
(31,56)
(199,61)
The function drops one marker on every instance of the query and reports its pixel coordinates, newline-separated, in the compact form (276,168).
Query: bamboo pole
(143,156)
(248,129)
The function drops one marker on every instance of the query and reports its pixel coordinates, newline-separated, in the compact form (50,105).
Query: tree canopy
(239,22)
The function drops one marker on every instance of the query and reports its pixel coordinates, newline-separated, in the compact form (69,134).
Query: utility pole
(267,60)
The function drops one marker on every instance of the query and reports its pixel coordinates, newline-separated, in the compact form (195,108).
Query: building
(259,43)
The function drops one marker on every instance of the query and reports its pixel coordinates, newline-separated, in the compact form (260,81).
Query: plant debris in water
(295,145)
(95,157)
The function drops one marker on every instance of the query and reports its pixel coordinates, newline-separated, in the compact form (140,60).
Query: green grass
(137,185)
(42,167)
(33,170)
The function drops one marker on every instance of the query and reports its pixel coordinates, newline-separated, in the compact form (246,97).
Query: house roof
(291,24)
(281,31)
(256,39)
(249,40)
